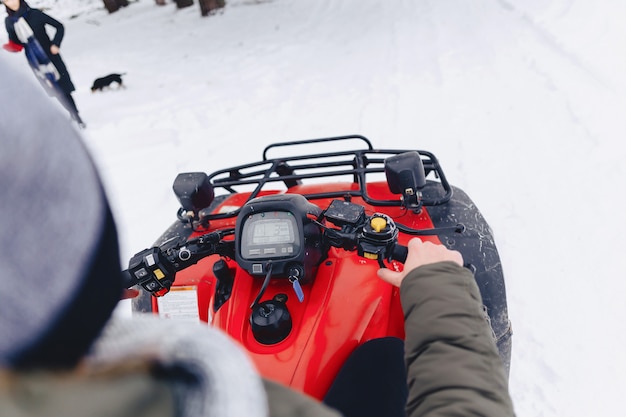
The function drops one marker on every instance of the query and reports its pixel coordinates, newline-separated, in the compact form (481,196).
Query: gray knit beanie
(59,259)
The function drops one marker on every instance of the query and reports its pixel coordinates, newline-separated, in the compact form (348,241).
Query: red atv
(282,253)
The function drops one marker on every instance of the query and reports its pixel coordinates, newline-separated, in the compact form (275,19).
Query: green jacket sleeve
(47,394)
(453,366)
(284,402)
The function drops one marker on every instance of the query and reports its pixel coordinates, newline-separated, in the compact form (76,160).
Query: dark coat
(38,20)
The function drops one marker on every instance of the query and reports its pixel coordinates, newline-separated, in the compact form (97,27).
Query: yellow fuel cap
(378,224)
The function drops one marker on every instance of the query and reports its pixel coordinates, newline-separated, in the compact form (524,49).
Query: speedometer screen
(269,235)
(272,231)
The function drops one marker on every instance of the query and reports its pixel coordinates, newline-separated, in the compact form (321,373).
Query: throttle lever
(399,253)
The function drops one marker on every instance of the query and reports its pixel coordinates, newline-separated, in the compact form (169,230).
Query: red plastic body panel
(344,306)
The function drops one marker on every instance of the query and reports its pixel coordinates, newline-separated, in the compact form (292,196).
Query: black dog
(101,83)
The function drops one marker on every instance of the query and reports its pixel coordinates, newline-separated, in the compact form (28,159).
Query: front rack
(291,171)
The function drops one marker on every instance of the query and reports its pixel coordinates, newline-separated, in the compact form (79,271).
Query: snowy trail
(483,85)
(522,102)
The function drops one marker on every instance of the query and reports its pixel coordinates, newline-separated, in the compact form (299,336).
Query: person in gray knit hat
(61,281)
(63,352)
(57,237)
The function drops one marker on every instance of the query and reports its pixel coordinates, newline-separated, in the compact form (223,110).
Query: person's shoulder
(43,16)
(36,12)
(285,402)
(112,391)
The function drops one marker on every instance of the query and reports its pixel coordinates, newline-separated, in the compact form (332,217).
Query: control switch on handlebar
(378,238)
(149,270)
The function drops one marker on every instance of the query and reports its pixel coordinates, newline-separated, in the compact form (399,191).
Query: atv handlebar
(127,279)
(372,237)
(155,268)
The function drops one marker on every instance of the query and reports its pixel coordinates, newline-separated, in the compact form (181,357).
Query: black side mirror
(406,176)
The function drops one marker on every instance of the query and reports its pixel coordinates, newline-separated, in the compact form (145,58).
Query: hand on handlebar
(420,253)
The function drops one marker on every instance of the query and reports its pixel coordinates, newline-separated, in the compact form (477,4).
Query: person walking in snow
(27,30)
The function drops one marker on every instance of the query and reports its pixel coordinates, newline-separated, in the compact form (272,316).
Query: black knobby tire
(477,245)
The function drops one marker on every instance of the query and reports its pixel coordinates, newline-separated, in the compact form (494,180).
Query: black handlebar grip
(399,253)
(127,279)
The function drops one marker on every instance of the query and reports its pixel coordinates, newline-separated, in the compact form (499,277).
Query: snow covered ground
(522,101)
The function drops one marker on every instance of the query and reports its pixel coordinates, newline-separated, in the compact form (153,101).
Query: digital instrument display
(269,235)
(276,235)
(272,231)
